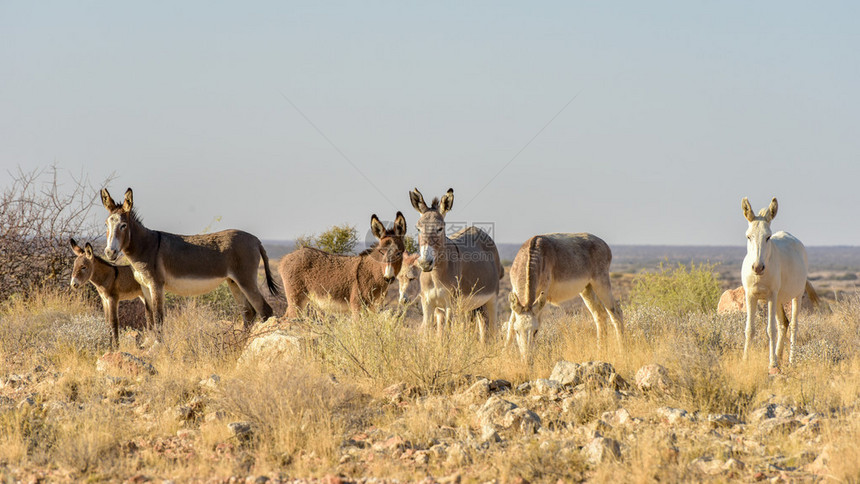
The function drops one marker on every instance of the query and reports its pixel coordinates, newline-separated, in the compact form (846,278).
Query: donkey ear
(447,202)
(88,250)
(417,200)
(75,248)
(399,225)
(748,211)
(771,210)
(376,227)
(129,201)
(540,301)
(107,201)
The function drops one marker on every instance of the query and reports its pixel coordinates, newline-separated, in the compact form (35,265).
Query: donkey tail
(270,282)
(813,296)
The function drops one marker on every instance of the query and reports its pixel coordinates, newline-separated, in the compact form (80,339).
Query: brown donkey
(187,265)
(114,284)
(344,282)
(553,268)
(467,265)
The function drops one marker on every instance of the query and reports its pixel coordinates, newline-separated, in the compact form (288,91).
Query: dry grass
(324,413)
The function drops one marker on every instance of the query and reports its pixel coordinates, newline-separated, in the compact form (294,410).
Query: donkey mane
(531,262)
(369,249)
(434,205)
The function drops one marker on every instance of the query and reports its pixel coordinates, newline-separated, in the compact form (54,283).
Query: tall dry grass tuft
(382,348)
(298,416)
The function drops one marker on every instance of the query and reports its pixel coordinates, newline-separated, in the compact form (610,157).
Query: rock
(821,465)
(618,417)
(733,300)
(602,449)
(523,420)
(595,374)
(653,378)
(125,363)
(479,390)
(733,465)
(457,457)
(210,383)
(546,387)
(708,465)
(13,381)
(566,373)
(489,434)
(241,430)
(493,410)
(500,385)
(723,420)
(672,415)
(779,426)
(271,347)
(771,410)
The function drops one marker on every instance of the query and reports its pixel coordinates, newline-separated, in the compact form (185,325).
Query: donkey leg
(481,324)
(782,325)
(603,288)
(598,312)
(795,310)
(771,340)
(113,316)
(248,311)
(752,306)
(252,294)
(490,313)
(510,329)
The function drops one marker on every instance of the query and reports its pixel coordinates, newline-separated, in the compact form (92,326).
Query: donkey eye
(767,239)
(440,229)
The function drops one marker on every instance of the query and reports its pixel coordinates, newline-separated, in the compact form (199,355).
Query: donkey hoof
(774,370)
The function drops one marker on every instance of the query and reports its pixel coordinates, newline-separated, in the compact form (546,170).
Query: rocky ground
(583,421)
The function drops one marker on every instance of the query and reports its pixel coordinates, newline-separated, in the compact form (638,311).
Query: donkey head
(526,321)
(389,250)
(84,266)
(408,277)
(758,234)
(431,226)
(117,223)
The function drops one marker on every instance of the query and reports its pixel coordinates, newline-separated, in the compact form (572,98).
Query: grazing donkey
(114,284)
(187,265)
(408,277)
(555,268)
(465,266)
(344,282)
(774,270)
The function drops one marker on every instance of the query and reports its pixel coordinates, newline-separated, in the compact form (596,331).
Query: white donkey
(774,270)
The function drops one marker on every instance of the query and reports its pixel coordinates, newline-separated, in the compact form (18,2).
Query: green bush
(680,290)
(339,239)
(411,244)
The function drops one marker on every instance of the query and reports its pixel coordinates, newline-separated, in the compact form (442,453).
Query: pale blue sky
(681,109)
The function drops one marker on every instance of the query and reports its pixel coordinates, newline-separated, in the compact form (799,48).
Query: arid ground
(376,399)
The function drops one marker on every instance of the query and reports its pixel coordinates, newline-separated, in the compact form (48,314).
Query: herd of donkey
(458,273)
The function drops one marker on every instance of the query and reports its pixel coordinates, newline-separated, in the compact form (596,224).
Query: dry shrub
(541,461)
(38,214)
(194,334)
(299,417)
(382,348)
(46,320)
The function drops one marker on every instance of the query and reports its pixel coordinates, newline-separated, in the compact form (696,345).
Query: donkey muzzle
(111,254)
(758,268)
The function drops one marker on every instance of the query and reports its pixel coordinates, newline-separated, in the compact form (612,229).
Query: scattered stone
(489,434)
(210,383)
(733,465)
(723,420)
(271,347)
(241,430)
(13,381)
(708,465)
(493,410)
(500,385)
(566,373)
(602,449)
(124,362)
(523,420)
(479,390)
(672,415)
(653,377)
(770,411)
(618,417)
(524,387)
(546,387)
